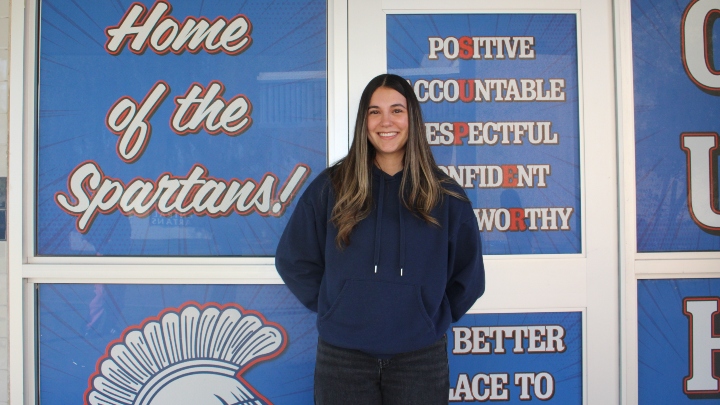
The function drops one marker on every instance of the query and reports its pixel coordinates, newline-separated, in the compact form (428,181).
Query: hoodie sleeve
(467,272)
(300,258)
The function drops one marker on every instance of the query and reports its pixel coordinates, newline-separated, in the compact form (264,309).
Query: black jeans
(348,377)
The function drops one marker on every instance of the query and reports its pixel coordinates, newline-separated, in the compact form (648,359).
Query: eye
(373,112)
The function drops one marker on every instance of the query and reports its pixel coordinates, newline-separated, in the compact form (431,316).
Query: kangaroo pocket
(377,317)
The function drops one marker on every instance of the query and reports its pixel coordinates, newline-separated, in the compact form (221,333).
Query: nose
(386,120)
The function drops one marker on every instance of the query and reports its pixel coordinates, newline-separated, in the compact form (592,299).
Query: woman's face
(387,123)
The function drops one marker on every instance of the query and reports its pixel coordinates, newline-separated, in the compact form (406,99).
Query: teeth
(387,134)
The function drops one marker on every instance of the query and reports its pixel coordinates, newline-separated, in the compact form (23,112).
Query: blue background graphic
(78,321)
(556,57)
(565,367)
(667,103)
(663,346)
(283,74)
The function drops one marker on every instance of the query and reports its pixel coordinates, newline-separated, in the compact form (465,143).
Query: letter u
(702,178)
(467,90)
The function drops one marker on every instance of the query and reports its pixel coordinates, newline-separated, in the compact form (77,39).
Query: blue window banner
(678,341)
(117,344)
(499,95)
(517,357)
(176,127)
(676,52)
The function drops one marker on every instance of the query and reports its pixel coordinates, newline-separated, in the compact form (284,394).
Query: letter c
(696,40)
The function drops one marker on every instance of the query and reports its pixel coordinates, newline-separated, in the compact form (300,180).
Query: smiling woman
(385,248)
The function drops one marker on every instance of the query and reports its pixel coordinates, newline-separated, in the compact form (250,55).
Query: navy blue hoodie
(398,284)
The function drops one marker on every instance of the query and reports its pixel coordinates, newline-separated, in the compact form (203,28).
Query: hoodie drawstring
(378,226)
(378,220)
(402,237)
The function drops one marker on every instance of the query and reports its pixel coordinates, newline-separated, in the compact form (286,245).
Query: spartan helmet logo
(192,355)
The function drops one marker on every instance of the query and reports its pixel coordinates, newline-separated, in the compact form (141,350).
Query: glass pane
(678,330)
(174,344)
(183,130)
(517,357)
(499,94)
(677,99)
(117,344)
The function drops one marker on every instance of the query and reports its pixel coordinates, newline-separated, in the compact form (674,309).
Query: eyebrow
(394,105)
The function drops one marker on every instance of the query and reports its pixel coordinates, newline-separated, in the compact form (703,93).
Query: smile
(386,134)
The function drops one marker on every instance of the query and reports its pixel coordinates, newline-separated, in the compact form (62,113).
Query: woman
(385,248)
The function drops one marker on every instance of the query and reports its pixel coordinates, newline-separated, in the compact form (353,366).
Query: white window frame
(532,283)
(527,283)
(25,270)
(635,266)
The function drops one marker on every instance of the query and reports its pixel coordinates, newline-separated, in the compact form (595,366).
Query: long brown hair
(421,184)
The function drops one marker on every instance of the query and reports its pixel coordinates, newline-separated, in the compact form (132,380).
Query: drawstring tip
(401,271)
(376,268)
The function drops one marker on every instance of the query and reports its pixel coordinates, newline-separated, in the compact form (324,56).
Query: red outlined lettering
(703,181)
(467,47)
(156,29)
(499,176)
(696,44)
(518,219)
(130,120)
(533,339)
(489,90)
(205,108)
(91,192)
(491,133)
(703,345)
